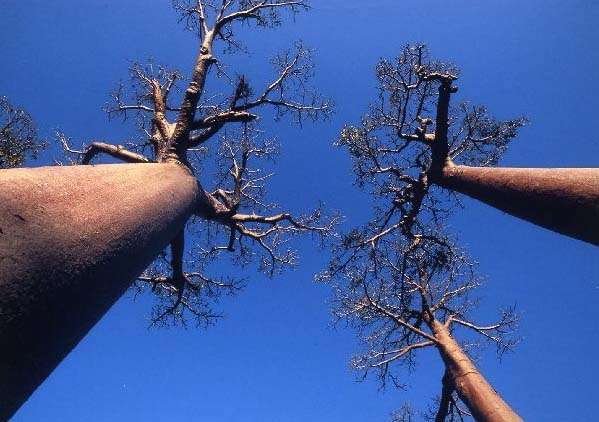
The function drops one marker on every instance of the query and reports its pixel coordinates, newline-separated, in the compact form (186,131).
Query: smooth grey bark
(565,200)
(72,239)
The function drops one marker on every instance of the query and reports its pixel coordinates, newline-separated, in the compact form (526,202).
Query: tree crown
(401,274)
(19,138)
(234,216)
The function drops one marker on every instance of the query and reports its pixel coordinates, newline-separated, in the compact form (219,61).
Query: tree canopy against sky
(273,357)
(19,140)
(401,279)
(208,122)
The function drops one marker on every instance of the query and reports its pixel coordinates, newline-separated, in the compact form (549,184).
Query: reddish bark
(473,389)
(563,200)
(72,239)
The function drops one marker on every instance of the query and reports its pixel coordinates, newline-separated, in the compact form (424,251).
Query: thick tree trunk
(562,200)
(473,389)
(72,239)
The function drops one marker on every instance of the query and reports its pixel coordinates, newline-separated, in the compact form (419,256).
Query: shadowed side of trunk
(473,389)
(72,239)
(562,200)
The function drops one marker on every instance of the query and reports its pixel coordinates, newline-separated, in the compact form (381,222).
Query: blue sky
(275,357)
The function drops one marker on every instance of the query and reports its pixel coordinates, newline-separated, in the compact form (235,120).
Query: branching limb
(499,333)
(151,85)
(116,151)
(268,232)
(213,123)
(399,320)
(177,282)
(178,142)
(401,352)
(400,273)
(445,399)
(204,136)
(238,205)
(287,92)
(254,10)
(234,212)
(220,119)
(185,293)
(440,147)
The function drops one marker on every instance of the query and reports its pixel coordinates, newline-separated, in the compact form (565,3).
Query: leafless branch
(287,92)
(400,276)
(178,116)
(95,148)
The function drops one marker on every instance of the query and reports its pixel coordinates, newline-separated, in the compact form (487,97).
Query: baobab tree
(231,217)
(401,279)
(19,138)
(76,237)
(564,200)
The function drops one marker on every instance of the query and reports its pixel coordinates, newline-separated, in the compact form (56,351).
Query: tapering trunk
(72,239)
(178,143)
(563,200)
(473,389)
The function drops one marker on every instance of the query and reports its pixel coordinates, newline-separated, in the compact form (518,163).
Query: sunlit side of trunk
(563,200)
(482,400)
(72,239)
